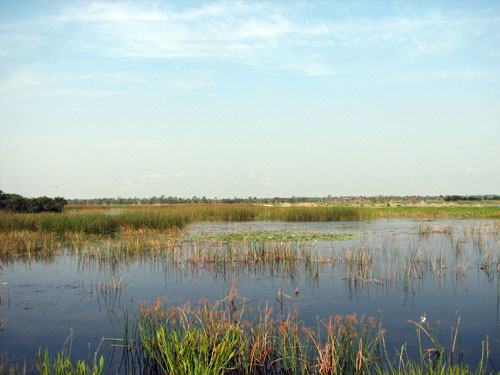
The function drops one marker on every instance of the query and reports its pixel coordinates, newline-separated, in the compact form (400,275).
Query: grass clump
(226,338)
(61,363)
(222,339)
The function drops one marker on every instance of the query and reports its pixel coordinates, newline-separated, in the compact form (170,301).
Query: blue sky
(245,99)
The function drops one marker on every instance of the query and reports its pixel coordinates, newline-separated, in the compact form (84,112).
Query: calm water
(43,302)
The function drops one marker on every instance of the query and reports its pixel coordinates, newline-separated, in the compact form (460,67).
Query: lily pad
(274,236)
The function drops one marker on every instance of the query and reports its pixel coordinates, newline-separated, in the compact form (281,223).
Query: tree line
(273,200)
(18,203)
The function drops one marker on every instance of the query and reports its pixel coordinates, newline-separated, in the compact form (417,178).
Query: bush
(17,203)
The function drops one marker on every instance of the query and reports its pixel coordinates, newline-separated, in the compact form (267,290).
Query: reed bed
(160,218)
(93,223)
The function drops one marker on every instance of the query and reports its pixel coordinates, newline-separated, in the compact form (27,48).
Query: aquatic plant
(160,218)
(273,236)
(225,338)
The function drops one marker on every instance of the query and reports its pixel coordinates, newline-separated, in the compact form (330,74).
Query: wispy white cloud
(263,34)
(23,78)
(310,68)
(467,169)
(153,176)
(15,42)
(416,75)
(269,35)
(85,92)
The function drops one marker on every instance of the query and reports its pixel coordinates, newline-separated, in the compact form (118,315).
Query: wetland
(249,289)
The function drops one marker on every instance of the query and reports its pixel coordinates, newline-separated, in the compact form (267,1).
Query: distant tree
(17,203)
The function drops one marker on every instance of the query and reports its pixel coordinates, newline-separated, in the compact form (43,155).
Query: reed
(224,338)
(93,223)
(227,338)
(106,221)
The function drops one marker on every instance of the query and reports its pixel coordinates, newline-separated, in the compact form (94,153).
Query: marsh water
(395,270)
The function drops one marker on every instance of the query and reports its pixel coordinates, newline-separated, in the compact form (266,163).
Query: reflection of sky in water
(42,301)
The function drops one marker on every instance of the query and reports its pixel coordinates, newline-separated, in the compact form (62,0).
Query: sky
(237,99)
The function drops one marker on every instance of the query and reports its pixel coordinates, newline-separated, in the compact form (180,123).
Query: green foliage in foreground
(274,236)
(218,339)
(61,364)
(223,338)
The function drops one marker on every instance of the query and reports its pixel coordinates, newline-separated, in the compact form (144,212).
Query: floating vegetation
(274,236)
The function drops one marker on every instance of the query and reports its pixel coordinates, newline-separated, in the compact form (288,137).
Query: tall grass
(93,223)
(310,214)
(161,218)
(225,338)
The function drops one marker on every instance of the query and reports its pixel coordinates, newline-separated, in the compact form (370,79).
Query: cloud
(23,78)
(274,36)
(467,169)
(153,176)
(15,43)
(313,69)
(85,92)
(418,76)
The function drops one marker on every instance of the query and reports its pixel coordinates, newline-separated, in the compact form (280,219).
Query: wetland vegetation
(281,290)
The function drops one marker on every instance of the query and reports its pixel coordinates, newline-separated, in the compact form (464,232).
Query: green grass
(162,218)
(486,212)
(227,338)
(93,223)
(58,364)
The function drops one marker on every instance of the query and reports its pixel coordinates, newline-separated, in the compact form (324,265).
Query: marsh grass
(227,337)
(93,223)
(160,218)
(245,253)
(61,363)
